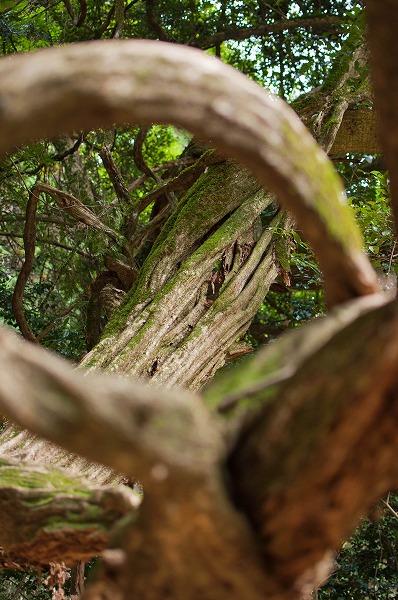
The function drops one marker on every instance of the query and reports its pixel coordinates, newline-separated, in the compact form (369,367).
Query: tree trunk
(201,285)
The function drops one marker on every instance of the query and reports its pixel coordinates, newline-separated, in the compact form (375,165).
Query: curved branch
(316,23)
(72,206)
(138,155)
(155,25)
(303,464)
(13,234)
(29,241)
(141,427)
(140,81)
(114,175)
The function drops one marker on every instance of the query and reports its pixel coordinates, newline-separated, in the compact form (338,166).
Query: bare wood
(76,209)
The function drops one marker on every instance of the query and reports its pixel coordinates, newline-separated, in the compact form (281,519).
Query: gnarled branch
(254,127)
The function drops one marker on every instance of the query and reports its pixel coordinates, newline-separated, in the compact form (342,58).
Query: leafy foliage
(367,566)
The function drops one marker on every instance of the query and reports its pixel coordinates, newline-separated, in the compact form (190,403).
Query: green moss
(93,515)
(50,482)
(323,192)
(203,206)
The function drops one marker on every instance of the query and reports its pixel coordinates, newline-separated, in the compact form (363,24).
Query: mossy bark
(200,286)
(42,508)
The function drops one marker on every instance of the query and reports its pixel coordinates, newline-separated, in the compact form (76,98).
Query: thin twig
(61,155)
(62,314)
(82,14)
(13,234)
(154,23)
(390,508)
(391,257)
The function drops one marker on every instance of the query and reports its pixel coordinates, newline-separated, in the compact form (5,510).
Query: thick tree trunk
(201,285)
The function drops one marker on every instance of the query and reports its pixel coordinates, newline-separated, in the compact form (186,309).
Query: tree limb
(138,155)
(313,448)
(126,416)
(82,13)
(154,23)
(241,119)
(76,209)
(317,23)
(29,241)
(48,515)
(114,175)
(69,9)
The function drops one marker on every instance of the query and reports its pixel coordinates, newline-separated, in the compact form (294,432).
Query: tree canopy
(158,212)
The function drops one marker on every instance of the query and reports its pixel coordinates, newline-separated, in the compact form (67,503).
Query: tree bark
(189,536)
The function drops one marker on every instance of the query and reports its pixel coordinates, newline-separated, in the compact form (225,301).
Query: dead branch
(76,209)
